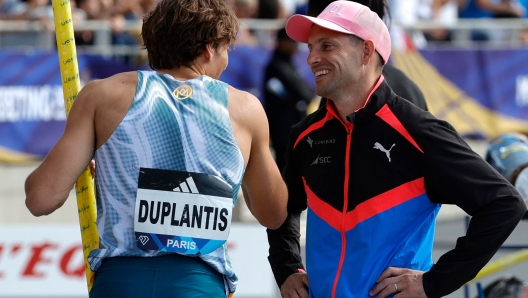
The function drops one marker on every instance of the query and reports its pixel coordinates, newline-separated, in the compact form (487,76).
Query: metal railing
(462,28)
(102,34)
(12,33)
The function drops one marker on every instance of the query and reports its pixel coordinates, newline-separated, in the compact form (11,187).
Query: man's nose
(313,58)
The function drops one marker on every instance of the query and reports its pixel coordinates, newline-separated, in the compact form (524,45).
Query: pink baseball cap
(347,17)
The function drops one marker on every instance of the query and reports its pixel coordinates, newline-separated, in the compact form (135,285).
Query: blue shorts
(166,276)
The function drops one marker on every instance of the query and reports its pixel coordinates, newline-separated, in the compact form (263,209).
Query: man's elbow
(37,208)
(34,207)
(274,221)
(33,198)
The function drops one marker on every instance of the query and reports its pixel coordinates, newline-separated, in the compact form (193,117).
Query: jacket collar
(380,95)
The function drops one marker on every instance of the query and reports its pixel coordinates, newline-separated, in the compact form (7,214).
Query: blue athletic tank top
(171,125)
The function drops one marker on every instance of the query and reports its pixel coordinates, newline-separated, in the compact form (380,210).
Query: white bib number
(182,212)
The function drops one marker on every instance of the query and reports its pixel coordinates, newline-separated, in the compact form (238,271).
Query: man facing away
(373,170)
(173,147)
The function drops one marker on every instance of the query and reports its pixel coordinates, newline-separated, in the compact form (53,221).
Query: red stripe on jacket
(313,127)
(388,116)
(367,209)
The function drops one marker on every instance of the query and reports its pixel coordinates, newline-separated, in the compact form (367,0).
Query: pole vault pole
(71,85)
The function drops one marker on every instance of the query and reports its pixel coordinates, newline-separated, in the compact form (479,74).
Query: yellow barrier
(501,264)
(71,86)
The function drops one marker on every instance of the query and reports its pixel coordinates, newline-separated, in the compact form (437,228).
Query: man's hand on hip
(295,286)
(403,282)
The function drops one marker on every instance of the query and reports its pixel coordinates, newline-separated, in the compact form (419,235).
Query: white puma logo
(381,148)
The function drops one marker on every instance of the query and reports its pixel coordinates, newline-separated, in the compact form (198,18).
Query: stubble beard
(330,90)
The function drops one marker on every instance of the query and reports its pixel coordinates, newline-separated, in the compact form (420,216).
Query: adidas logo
(187,186)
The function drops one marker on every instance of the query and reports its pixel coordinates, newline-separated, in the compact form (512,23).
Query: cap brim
(299,26)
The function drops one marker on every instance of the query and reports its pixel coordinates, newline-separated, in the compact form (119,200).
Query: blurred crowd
(448,12)
(402,13)
(116,12)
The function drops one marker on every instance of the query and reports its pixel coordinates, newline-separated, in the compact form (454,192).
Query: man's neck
(347,106)
(354,100)
(184,73)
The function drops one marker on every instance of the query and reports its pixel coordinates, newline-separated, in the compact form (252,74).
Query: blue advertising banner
(481,92)
(32,115)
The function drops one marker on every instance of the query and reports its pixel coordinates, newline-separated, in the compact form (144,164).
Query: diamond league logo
(183,92)
(143,239)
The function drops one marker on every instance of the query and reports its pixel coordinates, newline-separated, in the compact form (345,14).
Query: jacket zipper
(349,127)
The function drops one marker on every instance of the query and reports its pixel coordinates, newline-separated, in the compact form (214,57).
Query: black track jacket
(373,187)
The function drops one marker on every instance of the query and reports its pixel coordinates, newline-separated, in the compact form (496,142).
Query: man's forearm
(488,230)
(285,250)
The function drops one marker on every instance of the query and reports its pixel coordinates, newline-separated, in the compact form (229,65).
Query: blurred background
(469,58)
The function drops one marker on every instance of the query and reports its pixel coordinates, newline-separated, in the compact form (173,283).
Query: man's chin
(319,90)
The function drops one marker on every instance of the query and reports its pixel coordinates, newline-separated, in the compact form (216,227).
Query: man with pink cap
(373,171)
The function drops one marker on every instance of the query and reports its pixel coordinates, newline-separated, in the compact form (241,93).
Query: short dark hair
(176,32)
(380,7)
(356,41)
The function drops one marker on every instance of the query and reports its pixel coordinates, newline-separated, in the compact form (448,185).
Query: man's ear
(209,51)
(368,51)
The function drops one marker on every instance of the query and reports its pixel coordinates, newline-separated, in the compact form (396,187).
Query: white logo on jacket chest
(319,142)
(381,148)
(322,159)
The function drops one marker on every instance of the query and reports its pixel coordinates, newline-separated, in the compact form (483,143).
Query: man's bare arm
(264,190)
(48,187)
(98,109)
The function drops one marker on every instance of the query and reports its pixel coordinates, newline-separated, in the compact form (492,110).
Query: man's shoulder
(309,120)
(412,117)
(113,83)
(240,95)
(244,106)
(417,122)
(109,91)
(404,108)
(130,77)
